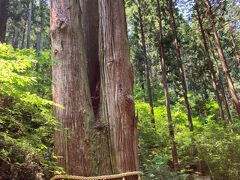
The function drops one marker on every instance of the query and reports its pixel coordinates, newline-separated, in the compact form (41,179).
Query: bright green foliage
(213,146)
(26,123)
(219,148)
(153,144)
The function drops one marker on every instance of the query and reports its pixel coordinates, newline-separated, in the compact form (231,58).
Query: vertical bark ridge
(117,86)
(102,140)
(70,88)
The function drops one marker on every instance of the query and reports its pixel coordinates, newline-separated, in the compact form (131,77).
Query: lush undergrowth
(26,122)
(213,148)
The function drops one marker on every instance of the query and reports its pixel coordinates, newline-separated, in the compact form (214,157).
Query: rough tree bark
(180,63)
(210,65)
(117,86)
(99,115)
(99,128)
(70,87)
(149,88)
(218,45)
(166,91)
(3,18)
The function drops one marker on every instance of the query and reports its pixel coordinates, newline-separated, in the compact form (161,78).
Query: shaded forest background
(187,70)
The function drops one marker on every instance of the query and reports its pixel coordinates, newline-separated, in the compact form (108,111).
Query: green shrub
(26,122)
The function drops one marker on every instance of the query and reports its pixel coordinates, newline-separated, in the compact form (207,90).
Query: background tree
(218,45)
(3,18)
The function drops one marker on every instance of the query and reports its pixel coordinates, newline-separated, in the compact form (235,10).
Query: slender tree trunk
(210,65)
(149,88)
(140,69)
(117,86)
(166,91)
(236,52)
(180,63)
(23,32)
(15,37)
(229,115)
(218,45)
(41,27)
(222,89)
(3,18)
(28,28)
(70,88)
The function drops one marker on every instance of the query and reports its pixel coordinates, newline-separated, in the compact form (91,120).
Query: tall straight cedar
(210,64)
(166,89)
(222,57)
(139,4)
(98,116)
(180,63)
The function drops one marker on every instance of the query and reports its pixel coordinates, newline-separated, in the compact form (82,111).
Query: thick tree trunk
(100,140)
(70,88)
(166,91)
(98,116)
(149,88)
(210,65)
(180,63)
(218,45)
(28,27)
(3,18)
(117,87)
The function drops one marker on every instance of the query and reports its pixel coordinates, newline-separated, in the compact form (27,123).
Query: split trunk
(93,81)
